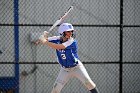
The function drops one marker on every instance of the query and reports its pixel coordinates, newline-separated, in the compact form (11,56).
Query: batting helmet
(65,27)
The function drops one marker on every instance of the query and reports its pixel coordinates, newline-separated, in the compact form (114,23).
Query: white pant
(66,73)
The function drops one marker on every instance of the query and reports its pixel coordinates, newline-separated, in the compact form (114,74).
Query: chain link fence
(108,39)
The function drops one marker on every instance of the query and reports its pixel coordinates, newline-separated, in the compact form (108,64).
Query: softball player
(71,66)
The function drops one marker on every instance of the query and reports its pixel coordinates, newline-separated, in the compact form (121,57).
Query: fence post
(16,42)
(121,46)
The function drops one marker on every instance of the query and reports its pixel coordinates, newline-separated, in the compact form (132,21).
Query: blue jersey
(67,57)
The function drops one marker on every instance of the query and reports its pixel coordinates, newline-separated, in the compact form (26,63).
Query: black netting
(6,12)
(131,12)
(107,32)
(131,45)
(131,78)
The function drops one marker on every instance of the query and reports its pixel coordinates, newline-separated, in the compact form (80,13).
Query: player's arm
(53,45)
(59,46)
(47,40)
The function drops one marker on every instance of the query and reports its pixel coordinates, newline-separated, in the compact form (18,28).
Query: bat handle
(50,29)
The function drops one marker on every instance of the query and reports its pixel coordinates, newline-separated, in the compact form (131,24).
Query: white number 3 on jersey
(63,56)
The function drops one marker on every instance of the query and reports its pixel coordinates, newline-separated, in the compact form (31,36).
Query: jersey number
(63,56)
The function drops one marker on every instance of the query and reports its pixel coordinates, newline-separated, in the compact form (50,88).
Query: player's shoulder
(73,41)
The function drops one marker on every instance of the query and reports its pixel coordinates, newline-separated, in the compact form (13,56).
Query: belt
(70,66)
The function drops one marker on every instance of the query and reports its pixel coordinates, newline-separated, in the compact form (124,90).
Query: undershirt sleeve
(68,43)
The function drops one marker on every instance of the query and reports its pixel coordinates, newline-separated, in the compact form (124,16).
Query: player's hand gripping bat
(42,37)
